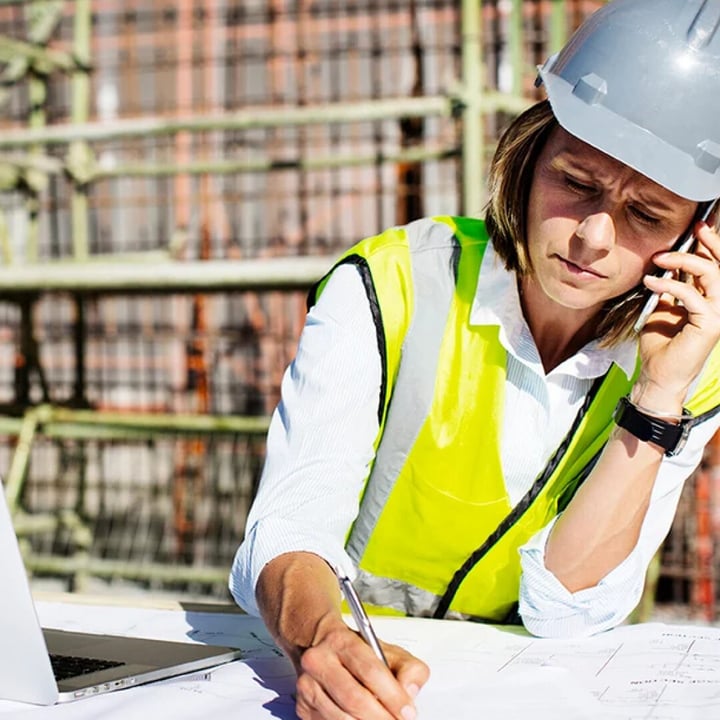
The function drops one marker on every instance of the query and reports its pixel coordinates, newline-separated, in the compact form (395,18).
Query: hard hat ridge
(704,26)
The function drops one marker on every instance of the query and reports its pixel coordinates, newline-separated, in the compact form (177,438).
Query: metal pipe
(59,422)
(227,167)
(103,567)
(259,117)
(281,273)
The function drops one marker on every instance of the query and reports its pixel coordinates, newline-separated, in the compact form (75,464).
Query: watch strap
(669,436)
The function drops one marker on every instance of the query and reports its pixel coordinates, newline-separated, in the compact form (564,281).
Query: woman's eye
(644,217)
(577,185)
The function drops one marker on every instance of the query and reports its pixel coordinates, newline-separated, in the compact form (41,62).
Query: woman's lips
(580,270)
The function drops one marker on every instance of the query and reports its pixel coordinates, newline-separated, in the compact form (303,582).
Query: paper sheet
(639,672)
(643,672)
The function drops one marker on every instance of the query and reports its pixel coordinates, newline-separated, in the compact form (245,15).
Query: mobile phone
(685,243)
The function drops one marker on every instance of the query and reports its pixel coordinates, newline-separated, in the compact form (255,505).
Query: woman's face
(594,223)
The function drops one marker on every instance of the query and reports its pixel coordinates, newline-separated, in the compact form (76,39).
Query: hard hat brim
(629,143)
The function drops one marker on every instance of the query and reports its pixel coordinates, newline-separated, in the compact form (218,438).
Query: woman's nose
(597,231)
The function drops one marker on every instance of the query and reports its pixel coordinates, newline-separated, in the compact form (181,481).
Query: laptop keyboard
(67,666)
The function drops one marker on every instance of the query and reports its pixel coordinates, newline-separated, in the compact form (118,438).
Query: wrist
(299,599)
(671,417)
(657,402)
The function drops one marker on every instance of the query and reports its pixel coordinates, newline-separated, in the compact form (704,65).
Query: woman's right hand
(341,676)
(684,330)
(338,674)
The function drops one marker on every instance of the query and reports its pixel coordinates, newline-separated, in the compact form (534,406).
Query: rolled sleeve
(549,609)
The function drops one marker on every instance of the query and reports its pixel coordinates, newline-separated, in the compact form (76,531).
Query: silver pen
(360,616)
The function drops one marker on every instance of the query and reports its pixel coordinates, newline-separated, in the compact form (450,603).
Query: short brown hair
(509,182)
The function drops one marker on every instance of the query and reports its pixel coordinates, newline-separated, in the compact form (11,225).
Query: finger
(313,703)
(673,291)
(708,283)
(410,672)
(380,679)
(708,247)
(708,242)
(691,263)
(701,311)
(341,699)
(695,271)
(351,678)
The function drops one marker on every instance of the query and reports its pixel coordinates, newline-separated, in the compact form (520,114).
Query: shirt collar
(497,302)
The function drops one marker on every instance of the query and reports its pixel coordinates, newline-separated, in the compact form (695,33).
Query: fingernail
(408,712)
(412,690)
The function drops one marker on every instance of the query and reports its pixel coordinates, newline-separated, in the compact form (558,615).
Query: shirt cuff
(268,539)
(549,609)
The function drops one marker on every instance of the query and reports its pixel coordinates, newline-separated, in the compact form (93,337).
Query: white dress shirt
(320,447)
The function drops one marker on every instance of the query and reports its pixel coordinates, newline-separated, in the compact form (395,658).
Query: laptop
(45,666)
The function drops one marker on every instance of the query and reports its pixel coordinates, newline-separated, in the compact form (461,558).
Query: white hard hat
(640,80)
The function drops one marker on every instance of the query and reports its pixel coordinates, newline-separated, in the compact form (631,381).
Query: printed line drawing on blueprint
(641,672)
(636,672)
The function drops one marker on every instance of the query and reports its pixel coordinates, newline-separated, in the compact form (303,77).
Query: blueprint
(639,672)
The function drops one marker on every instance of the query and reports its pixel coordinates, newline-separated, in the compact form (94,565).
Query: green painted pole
(558,25)
(515,46)
(473,148)
(79,114)
(38,94)
(107,277)
(21,459)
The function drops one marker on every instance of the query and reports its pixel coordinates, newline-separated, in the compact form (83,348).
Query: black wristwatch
(671,437)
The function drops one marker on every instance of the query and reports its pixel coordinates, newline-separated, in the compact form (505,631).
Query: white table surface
(642,672)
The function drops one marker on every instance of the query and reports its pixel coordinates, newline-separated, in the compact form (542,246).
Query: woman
(471,425)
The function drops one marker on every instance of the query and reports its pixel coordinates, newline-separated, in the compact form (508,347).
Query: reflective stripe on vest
(434,285)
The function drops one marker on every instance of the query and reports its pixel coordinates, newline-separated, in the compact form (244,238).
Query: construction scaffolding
(173,177)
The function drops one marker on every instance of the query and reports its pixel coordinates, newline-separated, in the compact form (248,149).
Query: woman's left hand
(681,333)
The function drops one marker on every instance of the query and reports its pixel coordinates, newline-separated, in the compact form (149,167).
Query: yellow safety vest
(436,533)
